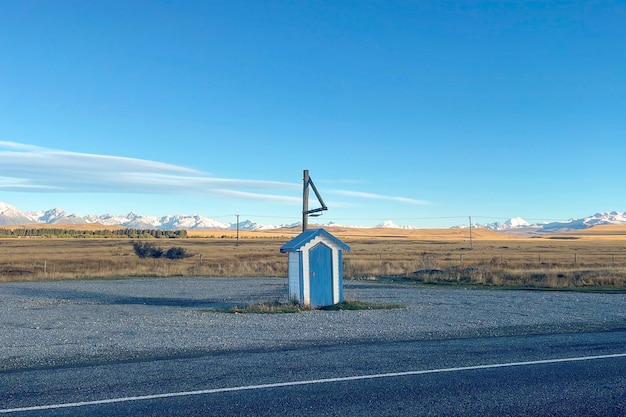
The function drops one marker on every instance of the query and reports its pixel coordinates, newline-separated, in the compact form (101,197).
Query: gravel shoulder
(49,324)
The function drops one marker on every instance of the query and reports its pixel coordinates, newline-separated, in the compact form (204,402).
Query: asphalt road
(565,374)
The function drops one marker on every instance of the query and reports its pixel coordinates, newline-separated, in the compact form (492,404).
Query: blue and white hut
(315,267)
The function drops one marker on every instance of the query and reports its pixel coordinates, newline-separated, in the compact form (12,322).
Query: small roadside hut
(315,267)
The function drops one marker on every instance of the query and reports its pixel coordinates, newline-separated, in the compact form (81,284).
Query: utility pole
(470,224)
(237,230)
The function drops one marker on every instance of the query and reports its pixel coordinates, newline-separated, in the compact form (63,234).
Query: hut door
(320,275)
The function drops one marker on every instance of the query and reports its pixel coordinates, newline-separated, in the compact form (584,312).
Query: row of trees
(106,233)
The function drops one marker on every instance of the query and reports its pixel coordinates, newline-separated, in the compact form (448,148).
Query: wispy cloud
(344,181)
(359,194)
(30,168)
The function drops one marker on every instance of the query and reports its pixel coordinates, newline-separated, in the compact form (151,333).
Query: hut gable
(311,237)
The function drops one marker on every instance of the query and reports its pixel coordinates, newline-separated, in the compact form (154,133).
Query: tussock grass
(593,261)
(274,307)
(293,306)
(55,259)
(525,278)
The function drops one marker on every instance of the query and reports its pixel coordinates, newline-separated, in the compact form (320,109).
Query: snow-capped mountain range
(10,215)
(517,223)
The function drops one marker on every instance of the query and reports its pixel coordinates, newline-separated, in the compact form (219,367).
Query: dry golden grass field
(592,259)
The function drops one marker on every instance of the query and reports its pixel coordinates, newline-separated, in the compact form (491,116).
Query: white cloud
(34,169)
(255,196)
(28,168)
(344,181)
(372,196)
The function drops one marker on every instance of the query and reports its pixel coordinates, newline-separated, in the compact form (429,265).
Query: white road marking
(304,382)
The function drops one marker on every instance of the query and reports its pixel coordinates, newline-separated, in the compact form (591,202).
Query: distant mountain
(614,217)
(249,225)
(517,223)
(388,224)
(58,216)
(10,215)
(512,223)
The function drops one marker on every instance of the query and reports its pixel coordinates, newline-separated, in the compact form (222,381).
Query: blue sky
(419,112)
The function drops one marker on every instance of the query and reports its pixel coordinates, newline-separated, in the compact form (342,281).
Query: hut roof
(305,237)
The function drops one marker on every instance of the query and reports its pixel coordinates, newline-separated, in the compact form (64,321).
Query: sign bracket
(306,212)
